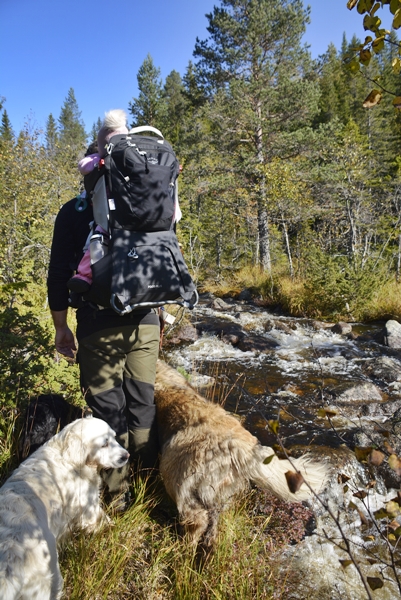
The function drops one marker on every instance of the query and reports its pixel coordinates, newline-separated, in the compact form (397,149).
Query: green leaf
(268,459)
(394,6)
(364,6)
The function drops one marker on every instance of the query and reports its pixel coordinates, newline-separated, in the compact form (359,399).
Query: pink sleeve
(88,163)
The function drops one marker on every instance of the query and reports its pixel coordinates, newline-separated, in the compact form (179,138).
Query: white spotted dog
(53,492)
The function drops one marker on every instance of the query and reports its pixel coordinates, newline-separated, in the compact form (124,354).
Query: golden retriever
(207,456)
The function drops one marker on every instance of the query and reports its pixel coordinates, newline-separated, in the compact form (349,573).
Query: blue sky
(97,47)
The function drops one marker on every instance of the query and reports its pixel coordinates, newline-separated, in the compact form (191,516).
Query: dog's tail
(293,479)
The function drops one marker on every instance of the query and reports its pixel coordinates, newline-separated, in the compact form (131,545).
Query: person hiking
(115,122)
(116,354)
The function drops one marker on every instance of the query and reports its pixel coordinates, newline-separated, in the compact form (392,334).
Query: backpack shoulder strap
(143,128)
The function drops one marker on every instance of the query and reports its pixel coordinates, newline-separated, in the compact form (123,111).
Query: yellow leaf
(395,463)
(375,583)
(353,66)
(375,8)
(345,563)
(378,45)
(326,412)
(273,425)
(397,19)
(392,508)
(371,23)
(374,98)
(380,514)
(368,39)
(364,6)
(396,64)
(365,56)
(376,458)
(345,489)
(394,5)
(362,453)
(351,4)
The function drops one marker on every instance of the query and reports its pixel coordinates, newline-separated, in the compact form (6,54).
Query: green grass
(142,556)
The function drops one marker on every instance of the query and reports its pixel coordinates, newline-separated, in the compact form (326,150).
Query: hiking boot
(144,448)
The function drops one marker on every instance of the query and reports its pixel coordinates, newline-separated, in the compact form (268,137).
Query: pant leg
(101,358)
(139,379)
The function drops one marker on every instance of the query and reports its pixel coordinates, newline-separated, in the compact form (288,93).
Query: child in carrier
(115,122)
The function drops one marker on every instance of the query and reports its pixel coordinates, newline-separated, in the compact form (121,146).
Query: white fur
(53,492)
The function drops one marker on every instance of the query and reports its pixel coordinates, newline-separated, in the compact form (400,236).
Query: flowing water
(265,367)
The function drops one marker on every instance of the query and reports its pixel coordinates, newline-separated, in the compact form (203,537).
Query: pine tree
(51,135)
(175,108)
(95,130)
(254,65)
(148,108)
(6,130)
(72,134)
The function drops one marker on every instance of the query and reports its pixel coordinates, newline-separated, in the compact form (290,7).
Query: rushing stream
(268,367)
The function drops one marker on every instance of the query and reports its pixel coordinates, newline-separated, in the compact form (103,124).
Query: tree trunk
(264,238)
(263,221)
(287,247)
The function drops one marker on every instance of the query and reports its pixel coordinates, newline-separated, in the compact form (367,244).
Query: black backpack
(134,192)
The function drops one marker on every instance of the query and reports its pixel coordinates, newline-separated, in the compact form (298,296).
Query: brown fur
(207,456)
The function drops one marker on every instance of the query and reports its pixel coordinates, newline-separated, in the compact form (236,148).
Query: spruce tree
(51,135)
(72,134)
(148,107)
(6,130)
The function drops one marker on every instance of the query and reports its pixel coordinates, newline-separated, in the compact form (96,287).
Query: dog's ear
(72,445)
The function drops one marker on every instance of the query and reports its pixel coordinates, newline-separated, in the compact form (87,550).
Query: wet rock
(256,343)
(220,327)
(219,304)
(384,368)
(187,333)
(268,325)
(357,394)
(230,339)
(342,328)
(392,334)
(285,327)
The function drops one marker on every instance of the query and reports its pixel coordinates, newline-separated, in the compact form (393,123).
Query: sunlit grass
(291,297)
(142,556)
